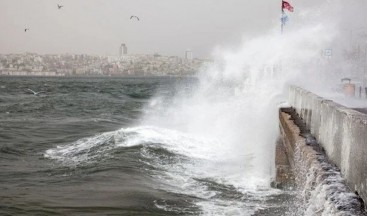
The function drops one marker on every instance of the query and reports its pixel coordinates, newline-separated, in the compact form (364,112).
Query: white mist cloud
(237,99)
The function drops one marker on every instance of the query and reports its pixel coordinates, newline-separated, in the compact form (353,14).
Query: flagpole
(281,22)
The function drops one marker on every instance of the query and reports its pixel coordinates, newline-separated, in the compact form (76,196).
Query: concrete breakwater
(341,131)
(325,146)
(300,159)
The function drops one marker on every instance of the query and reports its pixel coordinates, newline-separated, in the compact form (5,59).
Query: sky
(167,27)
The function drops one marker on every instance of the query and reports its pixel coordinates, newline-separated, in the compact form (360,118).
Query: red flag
(286,5)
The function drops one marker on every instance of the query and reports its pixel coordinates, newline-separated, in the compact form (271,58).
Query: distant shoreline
(84,65)
(101,76)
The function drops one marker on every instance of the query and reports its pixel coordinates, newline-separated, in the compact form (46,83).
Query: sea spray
(236,99)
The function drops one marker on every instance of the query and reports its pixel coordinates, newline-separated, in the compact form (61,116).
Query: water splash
(236,101)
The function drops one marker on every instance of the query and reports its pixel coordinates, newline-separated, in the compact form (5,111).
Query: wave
(175,142)
(180,163)
(10,151)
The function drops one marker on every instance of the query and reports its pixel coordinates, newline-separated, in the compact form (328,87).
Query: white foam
(201,159)
(80,151)
(236,103)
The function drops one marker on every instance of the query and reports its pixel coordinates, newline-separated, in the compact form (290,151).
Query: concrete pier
(322,189)
(323,150)
(341,131)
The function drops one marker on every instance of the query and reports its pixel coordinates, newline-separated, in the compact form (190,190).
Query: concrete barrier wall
(321,189)
(341,131)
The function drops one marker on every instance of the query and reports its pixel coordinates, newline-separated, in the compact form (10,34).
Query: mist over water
(237,98)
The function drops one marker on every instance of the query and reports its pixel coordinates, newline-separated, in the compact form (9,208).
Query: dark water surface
(68,151)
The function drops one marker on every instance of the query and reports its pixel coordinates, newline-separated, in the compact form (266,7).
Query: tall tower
(123,50)
(188,55)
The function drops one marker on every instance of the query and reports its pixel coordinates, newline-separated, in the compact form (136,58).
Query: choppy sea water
(80,148)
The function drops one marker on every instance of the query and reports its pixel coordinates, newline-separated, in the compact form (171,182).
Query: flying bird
(26,29)
(35,93)
(59,6)
(135,17)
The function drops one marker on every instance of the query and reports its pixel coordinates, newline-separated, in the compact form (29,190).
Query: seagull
(135,17)
(35,93)
(59,6)
(26,29)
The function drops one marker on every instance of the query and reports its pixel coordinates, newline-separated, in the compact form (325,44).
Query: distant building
(111,59)
(188,55)
(123,50)
(84,65)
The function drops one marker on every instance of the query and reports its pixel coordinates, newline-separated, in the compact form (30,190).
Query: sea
(127,146)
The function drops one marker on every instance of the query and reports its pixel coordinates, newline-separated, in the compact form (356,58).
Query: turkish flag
(286,5)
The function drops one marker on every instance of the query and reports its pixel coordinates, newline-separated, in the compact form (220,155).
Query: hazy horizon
(98,27)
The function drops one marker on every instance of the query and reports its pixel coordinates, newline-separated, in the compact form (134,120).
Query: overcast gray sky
(98,26)
(168,27)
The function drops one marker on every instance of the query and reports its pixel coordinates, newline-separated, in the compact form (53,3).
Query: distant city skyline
(32,64)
